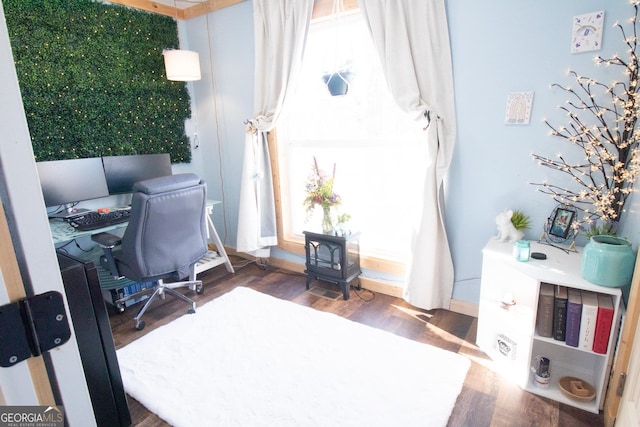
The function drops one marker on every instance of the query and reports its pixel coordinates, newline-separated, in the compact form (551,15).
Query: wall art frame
(518,108)
(586,34)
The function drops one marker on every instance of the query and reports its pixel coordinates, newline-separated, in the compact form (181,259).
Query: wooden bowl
(577,389)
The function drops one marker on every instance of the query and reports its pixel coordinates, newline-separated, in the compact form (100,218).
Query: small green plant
(344,218)
(601,229)
(520,221)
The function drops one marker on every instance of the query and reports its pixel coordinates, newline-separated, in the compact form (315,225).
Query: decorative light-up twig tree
(602,122)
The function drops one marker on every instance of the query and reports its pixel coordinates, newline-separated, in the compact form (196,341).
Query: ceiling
(179,9)
(187,9)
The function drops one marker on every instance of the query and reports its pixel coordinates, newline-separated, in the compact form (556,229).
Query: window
(378,151)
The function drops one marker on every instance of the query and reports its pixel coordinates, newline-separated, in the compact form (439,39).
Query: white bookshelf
(515,325)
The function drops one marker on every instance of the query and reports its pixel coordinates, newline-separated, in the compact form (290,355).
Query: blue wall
(224,40)
(509,46)
(498,46)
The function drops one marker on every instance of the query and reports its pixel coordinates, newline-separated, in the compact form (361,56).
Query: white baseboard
(464,307)
(457,306)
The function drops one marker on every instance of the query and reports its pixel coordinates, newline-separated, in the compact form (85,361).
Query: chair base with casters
(161,289)
(109,241)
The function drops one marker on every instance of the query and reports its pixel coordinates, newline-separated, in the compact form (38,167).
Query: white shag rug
(248,359)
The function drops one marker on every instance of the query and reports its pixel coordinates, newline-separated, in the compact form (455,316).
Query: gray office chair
(165,238)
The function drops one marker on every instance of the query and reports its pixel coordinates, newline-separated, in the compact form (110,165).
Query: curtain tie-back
(251,126)
(261,122)
(427,116)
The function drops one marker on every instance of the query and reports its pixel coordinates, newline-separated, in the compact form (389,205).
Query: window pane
(378,151)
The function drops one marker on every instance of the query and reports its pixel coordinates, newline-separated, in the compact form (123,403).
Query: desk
(62,232)
(212,258)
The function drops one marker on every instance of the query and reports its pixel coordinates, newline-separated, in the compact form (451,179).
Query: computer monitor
(124,171)
(67,182)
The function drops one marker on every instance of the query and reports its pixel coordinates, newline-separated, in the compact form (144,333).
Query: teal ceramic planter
(608,261)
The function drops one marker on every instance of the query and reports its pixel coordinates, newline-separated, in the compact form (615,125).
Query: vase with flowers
(319,189)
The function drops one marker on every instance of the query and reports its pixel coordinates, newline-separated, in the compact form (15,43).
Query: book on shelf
(574,314)
(604,320)
(544,318)
(560,313)
(588,320)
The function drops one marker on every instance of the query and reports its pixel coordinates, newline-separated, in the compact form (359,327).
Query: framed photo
(561,223)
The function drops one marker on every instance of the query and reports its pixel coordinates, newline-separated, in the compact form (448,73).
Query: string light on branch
(602,122)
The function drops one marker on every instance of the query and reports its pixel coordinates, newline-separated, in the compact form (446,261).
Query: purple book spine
(574,314)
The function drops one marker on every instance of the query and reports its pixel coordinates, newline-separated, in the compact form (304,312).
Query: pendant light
(181,65)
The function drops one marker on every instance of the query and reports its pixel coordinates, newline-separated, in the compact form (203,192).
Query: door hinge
(621,382)
(32,326)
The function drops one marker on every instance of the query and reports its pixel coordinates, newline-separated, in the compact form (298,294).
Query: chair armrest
(107,240)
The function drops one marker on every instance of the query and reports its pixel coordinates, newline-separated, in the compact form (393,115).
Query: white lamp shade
(182,65)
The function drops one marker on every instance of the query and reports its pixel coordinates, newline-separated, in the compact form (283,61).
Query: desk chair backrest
(167,231)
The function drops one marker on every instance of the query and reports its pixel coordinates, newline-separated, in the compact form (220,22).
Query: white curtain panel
(281,29)
(412,40)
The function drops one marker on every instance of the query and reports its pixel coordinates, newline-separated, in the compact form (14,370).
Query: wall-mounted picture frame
(518,108)
(561,223)
(586,34)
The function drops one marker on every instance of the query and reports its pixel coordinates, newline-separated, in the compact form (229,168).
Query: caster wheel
(140,325)
(191,311)
(119,308)
(200,290)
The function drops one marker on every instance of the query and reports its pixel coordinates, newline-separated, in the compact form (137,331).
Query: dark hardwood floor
(486,398)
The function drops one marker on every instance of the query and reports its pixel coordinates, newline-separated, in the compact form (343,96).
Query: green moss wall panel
(93,81)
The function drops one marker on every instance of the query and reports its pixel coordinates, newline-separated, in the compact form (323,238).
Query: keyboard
(93,220)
